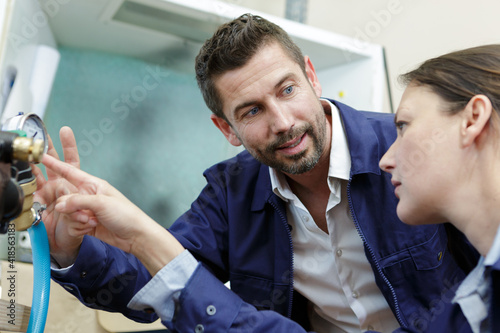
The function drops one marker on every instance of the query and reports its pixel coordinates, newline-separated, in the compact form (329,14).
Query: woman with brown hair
(445,164)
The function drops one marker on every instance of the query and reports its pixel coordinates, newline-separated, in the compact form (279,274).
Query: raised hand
(63,246)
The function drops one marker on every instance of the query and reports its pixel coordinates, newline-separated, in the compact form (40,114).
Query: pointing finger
(71,173)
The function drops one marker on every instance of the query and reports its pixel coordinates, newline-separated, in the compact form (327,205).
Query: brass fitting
(27,149)
(28,214)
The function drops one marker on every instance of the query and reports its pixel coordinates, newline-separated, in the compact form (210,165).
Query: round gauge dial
(31,124)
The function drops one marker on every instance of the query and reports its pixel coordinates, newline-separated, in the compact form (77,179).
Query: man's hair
(231,47)
(458,76)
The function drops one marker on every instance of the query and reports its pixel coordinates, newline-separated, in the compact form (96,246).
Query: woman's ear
(226,129)
(475,123)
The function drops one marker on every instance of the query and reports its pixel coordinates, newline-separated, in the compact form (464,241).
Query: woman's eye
(400,125)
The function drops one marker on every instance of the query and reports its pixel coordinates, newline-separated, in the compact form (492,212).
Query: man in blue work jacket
(302,224)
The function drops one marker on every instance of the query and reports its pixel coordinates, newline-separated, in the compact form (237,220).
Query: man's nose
(282,118)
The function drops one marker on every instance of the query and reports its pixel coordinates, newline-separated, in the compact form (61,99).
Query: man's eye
(253,111)
(288,90)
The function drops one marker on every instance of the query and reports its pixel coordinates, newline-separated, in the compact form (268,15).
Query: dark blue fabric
(238,228)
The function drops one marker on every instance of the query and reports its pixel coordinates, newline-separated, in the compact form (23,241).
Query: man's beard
(298,163)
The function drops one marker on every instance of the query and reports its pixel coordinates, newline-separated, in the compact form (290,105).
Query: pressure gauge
(31,124)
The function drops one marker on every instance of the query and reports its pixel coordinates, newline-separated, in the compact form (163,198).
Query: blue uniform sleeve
(106,278)
(207,305)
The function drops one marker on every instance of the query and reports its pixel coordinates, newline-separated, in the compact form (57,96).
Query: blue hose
(41,277)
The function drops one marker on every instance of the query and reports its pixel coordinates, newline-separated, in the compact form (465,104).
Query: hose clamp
(37,210)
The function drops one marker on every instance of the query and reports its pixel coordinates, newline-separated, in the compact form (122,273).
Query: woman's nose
(387,162)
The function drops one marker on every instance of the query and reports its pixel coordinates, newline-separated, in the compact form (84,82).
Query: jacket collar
(364,149)
(263,190)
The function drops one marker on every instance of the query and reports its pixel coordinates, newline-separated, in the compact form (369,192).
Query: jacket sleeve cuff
(159,294)
(205,304)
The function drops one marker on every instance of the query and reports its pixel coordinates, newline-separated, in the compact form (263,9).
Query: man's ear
(226,129)
(476,120)
(311,75)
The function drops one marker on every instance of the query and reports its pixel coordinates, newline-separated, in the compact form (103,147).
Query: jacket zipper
(289,314)
(394,297)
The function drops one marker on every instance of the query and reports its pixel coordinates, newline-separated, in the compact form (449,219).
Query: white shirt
(331,270)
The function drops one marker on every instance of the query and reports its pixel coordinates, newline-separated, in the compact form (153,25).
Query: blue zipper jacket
(238,229)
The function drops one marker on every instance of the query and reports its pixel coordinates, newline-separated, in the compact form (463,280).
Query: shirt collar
(475,279)
(494,252)
(340,159)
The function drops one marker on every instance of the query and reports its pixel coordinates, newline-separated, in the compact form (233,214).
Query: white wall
(410,30)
